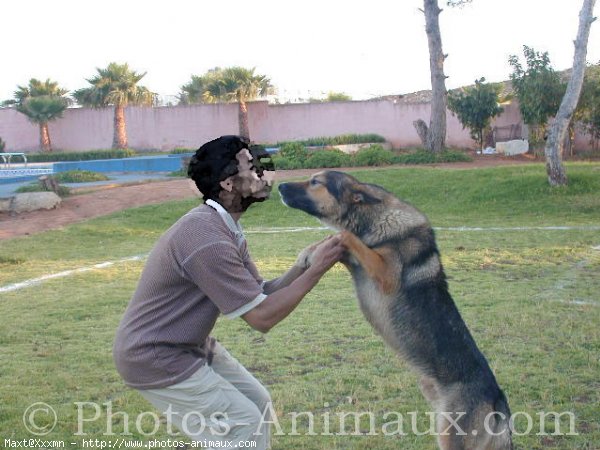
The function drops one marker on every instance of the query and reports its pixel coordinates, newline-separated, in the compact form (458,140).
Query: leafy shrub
(375,155)
(425,157)
(328,158)
(62,191)
(337,140)
(79,176)
(294,151)
(454,156)
(179,150)
(418,157)
(282,163)
(346,139)
(298,158)
(80,156)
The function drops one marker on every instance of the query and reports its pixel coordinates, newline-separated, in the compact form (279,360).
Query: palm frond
(43,108)
(116,85)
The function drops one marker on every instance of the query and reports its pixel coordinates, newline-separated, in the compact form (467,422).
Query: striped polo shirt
(199,268)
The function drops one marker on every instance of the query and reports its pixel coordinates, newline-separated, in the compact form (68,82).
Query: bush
(454,156)
(425,157)
(328,158)
(79,176)
(375,155)
(62,191)
(346,139)
(80,156)
(295,156)
(294,151)
(179,150)
(282,163)
(337,140)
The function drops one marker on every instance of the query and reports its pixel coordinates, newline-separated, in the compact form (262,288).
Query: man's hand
(326,253)
(281,302)
(306,256)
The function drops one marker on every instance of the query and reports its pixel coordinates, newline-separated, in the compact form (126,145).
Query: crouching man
(199,269)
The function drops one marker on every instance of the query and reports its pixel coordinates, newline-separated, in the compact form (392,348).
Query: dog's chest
(374,305)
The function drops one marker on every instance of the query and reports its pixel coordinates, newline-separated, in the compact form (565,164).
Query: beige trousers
(221,404)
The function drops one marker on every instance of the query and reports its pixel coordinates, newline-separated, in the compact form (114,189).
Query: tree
(537,87)
(475,106)
(588,110)
(433,136)
(195,91)
(115,85)
(238,84)
(42,102)
(558,131)
(337,97)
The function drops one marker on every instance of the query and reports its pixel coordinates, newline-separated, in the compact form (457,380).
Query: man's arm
(302,263)
(284,280)
(280,303)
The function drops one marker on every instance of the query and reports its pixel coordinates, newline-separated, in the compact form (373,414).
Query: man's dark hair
(214,162)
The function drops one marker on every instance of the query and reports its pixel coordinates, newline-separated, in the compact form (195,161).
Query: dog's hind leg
(372,261)
(429,390)
(479,427)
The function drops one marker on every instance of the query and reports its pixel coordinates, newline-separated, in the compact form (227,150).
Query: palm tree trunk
(560,127)
(45,144)
(120,131)
(243,119)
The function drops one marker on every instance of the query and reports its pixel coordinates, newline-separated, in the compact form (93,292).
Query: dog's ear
(364,198)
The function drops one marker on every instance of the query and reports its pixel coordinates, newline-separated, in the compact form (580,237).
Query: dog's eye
(314,182)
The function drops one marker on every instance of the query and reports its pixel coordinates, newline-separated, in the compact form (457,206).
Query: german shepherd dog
(401,287)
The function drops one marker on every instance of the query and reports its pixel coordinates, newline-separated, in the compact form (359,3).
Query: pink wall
(165,128)
(274,123)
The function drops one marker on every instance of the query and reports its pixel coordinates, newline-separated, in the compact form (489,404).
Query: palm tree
(195,91)
(237,84)
(41,102)
(115,85)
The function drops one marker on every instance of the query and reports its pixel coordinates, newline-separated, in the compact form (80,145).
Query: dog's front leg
(372,261)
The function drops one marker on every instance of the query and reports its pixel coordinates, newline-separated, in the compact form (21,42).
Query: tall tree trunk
(560,127)
(45,144)
(434,136)
(120,131)
(243,119)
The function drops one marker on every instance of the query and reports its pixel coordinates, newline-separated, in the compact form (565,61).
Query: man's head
(232,173)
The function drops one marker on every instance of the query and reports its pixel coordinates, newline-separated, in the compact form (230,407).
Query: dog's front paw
(346,238)
(304,259)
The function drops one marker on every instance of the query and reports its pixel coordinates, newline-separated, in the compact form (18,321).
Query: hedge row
(343,139)
(80,156)
(296,156)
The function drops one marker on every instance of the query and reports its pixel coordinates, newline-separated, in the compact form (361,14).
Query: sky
(307,48)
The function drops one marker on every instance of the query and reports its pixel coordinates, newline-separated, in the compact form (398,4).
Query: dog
(395,264)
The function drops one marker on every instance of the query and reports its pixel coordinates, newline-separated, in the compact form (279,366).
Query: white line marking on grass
(551,228)
(66,273)
(276,230)
(283,230)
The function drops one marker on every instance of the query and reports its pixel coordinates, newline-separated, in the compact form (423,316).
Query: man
(199,269)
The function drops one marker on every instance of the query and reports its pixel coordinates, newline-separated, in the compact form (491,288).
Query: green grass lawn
(530,298)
